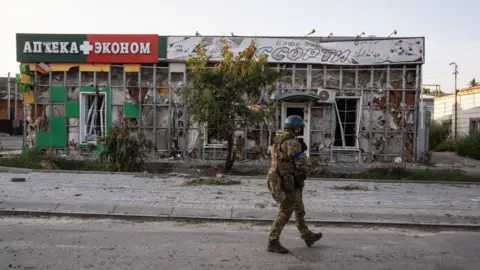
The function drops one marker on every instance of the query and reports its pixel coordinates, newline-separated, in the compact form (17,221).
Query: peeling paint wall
(151,97)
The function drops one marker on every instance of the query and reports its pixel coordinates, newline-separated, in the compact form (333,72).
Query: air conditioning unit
(326,96)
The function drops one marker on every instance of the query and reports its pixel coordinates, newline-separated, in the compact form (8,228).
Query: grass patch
(211,181)
(38,160)
(446,146)
(469,146)
(402,173)
(438,133)
(350,187)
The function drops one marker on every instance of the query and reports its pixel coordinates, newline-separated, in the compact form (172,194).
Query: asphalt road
(105,244)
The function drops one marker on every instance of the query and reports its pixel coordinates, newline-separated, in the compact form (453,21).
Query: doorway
(302,110)
(93,116)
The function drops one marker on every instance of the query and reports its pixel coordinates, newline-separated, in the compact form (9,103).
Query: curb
(4,169)
(337,223)
(363,180)
(237,177)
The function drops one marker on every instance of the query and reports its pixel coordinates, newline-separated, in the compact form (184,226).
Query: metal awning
(297,96)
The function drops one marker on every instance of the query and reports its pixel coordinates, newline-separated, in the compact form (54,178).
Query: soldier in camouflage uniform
(285,181)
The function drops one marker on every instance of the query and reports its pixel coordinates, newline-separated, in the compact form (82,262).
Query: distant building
(428,103)
(468,110)
(7,125)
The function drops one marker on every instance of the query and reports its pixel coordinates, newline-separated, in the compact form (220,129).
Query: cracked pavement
(62,243)
(129,191)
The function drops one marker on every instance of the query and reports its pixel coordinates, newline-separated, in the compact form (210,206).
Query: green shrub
(437,134)
(469,146)
(446,146)
(124,150)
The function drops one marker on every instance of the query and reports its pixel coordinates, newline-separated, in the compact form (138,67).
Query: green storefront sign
(90,48)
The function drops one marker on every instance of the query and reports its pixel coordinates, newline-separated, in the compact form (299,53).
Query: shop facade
(359,96)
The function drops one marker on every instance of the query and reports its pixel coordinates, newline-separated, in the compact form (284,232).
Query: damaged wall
(385,110)
(150,96)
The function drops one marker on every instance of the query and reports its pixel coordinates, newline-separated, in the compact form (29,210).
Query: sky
(449,27)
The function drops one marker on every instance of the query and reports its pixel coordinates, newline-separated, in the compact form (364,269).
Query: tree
(436,92)
(473,83)
(426,90)
(222,94)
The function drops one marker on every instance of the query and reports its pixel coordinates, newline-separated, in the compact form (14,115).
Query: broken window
(346,127)
(333,78)
(317,76)
(286,75)
(92,116)
(301,75)
(348,79)
(214,137)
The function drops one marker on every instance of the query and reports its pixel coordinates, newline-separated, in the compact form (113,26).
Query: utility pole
(456,99)
(8,97)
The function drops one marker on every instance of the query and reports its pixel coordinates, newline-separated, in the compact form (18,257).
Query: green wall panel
(99,150)
(162,47)
(58,131)
(72,109)
(42,139)
(57,93)
(130,110)
(56,137)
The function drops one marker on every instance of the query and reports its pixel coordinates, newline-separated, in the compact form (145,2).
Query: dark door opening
(297,111)
(347,109)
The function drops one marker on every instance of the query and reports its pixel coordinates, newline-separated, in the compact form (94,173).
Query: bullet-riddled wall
(371,118)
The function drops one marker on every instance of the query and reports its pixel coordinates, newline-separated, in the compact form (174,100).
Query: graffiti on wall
(290,50)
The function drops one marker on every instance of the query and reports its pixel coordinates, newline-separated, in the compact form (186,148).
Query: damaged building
(358,96)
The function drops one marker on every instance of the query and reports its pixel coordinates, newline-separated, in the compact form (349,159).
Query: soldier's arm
(294,150)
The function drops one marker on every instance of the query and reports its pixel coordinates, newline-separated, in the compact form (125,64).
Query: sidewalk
(128,196)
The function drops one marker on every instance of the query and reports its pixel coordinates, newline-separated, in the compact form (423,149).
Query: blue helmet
(293,122)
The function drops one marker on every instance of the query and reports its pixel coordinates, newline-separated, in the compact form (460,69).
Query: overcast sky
(450,27)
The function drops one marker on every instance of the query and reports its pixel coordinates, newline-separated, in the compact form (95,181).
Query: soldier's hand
(304,147)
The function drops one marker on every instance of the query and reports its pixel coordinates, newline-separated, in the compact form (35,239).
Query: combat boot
(312,238)
(275,246)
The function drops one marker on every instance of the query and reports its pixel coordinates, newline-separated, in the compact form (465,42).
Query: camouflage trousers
(293,203)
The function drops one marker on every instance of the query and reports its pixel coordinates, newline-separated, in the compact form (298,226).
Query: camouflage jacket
(287,154)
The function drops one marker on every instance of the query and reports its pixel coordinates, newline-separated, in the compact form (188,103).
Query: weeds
(211,181)
(446,146)
(438,133)
(402,173)
(40,159)
(350,187)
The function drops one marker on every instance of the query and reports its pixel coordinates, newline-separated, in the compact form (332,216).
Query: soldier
(285,181)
